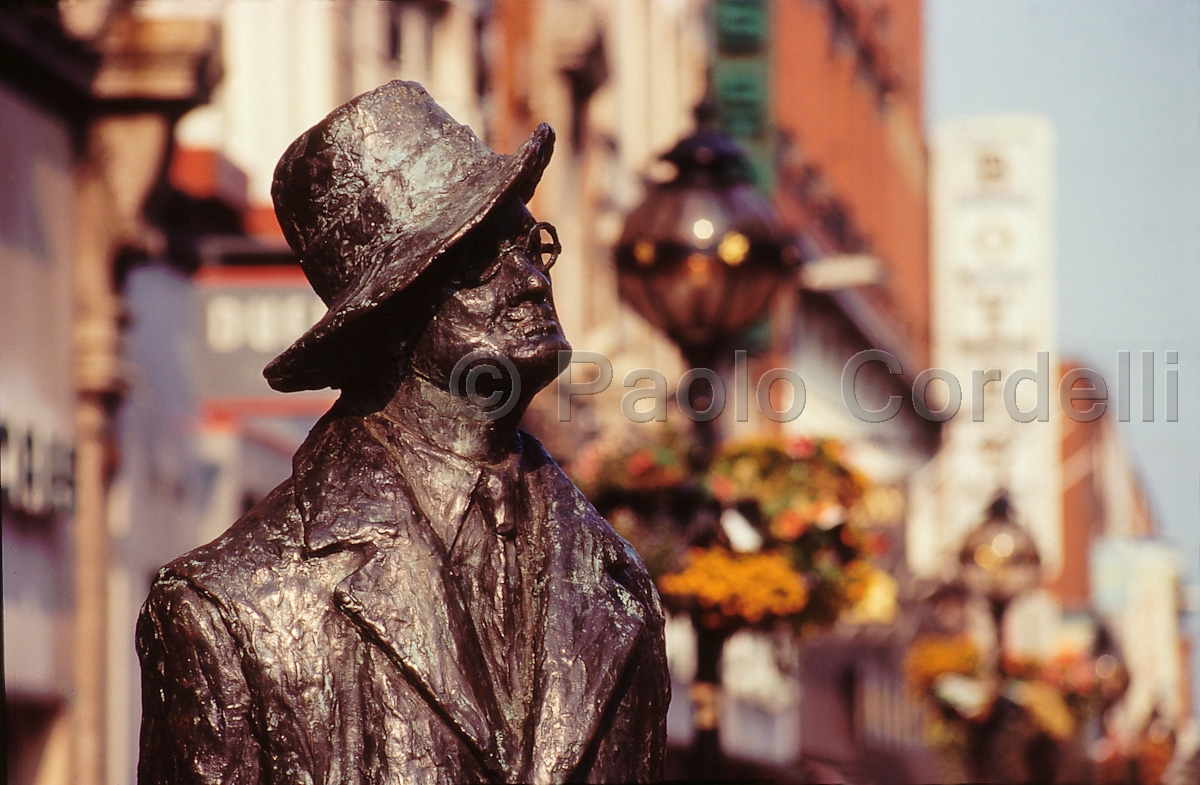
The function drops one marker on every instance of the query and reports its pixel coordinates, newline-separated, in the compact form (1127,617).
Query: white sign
(993,307)
(248,316)
(263,322)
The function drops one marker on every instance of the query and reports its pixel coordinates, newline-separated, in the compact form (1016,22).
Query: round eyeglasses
(539,245)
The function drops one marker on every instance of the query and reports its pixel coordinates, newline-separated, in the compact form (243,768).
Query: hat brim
(311,362)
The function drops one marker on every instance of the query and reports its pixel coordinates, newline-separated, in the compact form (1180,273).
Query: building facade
(37,433)
(1117,566)
(90,94)
(1043,431)
(826,92)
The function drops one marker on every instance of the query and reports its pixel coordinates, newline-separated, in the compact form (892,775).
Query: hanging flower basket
(1057,695)
(763,535)
(725,590)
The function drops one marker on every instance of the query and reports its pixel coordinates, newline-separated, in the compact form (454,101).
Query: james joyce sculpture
(427,598)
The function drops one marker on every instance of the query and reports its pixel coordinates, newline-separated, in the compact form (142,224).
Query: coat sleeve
(196,726)
(634,742)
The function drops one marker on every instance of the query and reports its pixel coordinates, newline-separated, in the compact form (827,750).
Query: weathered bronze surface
(427,598)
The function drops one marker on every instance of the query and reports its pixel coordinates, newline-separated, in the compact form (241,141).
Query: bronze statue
(428,598)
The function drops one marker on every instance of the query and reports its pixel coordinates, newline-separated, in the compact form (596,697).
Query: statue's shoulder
(269,538)
(576,517)
(547,480)
(342,484)
(268,535)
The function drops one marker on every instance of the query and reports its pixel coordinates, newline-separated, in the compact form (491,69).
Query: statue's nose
(529,278)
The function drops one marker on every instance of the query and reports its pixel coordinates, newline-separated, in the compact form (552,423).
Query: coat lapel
(591,622)
(399,596)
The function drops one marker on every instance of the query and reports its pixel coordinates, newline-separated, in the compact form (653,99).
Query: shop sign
(37,471)
(741,26)
(741,77)
(247,317)
(742,95)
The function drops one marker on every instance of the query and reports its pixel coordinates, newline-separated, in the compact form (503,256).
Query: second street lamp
(999,561)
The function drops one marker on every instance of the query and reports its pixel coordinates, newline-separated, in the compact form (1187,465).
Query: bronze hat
(370,196)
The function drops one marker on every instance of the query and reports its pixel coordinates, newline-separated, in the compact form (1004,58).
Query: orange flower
(639,463)
(858,574)
(722,488)
(742,588)
(931,656)
(586,466)
(878,543)
(788,525)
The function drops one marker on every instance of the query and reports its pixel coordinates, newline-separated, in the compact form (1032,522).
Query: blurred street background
(971,555)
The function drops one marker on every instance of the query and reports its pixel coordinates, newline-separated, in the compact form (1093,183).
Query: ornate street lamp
(999,561)
(700,258)
(702,254)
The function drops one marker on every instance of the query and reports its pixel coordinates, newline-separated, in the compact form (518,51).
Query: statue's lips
(530,318)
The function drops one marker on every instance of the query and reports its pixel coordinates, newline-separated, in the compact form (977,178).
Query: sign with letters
(247,316)
(741,81)
(993,306)
(37,470)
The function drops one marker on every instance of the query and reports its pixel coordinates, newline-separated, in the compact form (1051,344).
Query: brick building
(846,87)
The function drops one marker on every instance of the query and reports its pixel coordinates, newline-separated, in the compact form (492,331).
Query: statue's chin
(540,364)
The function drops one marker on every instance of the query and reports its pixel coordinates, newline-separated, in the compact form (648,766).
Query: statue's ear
(376,351)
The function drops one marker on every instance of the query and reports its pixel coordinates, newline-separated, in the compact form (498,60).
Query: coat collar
(351,490)
(442,483)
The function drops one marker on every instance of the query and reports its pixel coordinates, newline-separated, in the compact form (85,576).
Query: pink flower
(587,464)
(878,544)
(788,525)
(801,448)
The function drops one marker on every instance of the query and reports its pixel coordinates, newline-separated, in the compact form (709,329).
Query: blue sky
(1121,82)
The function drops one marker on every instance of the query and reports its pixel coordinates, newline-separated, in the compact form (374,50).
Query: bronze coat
(322,639)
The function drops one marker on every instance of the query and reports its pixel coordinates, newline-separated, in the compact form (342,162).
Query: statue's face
(499,301)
